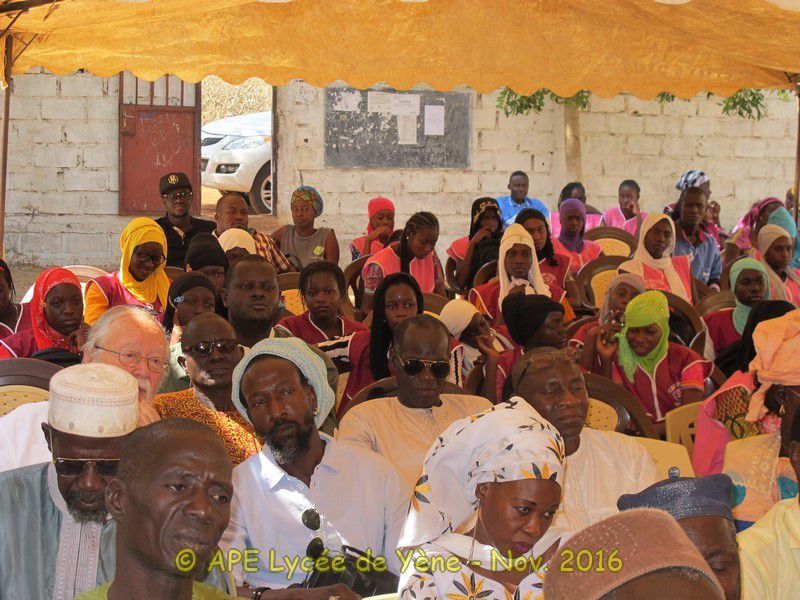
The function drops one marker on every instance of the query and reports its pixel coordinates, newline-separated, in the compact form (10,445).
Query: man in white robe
(601,465)
(55,539)
(403,428)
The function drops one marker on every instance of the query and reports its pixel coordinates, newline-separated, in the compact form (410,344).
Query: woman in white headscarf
(517,272)
(237,243)
(504,467)
(653,262)
(776,246)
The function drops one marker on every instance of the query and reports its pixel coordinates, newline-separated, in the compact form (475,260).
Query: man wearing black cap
(702,507)
(178,225)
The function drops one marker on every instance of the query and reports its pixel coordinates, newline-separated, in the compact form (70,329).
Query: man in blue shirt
(517,200)
(692,241)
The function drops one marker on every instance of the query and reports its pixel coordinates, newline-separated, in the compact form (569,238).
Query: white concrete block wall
(63,171)
(500,145)
(655,143)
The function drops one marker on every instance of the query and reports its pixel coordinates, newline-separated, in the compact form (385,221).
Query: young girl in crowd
(364,354)
(414,254)
(653,263)
(744,238)
(322,288)
(574,189)
(482,243)
(380,227)
(206,256)
(517,271)
(553,267)
(140,281)
(301,239)
(190,294)
(570,242)
(628,215)
(748,279)
(13,317)
(777,247)
(662,375)
(782,218)
(56,317)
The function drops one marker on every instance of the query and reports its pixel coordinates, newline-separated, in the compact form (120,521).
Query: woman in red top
(481,245)
(365,353)
(414,254)
(570,241)
(56,317)
(379,228)
(553,267)
(13,317)
(661,375)
(322,288)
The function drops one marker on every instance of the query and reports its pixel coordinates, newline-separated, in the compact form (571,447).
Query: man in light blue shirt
(692,241)
(517,200)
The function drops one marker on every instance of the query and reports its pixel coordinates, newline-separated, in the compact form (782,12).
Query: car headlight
(246,143)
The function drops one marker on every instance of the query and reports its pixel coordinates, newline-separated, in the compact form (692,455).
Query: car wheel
(261,193)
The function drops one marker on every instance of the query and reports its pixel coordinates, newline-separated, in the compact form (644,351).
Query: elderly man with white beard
(126,337)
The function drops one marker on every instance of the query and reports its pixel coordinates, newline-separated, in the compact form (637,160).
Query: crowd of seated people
(229,397)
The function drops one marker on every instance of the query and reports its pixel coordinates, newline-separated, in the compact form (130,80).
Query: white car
(236,155)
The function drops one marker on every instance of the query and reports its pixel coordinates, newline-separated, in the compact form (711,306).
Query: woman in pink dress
(627,215)
(481,245)
(744,236)
(653,263)
(574,189)
(414,254)
(380,227)
(749,284)
(570,241)
(777,248)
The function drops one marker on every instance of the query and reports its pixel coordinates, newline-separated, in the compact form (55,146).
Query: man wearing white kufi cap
(55,538)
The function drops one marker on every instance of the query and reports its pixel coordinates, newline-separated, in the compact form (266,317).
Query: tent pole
(797,158)
(9,53)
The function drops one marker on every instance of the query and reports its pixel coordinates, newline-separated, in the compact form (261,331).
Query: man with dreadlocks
(415,254)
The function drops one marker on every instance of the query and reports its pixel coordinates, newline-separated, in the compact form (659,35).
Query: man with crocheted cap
(55,539)
(702,507)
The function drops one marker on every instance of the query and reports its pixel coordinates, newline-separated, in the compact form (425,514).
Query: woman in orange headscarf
(56,317)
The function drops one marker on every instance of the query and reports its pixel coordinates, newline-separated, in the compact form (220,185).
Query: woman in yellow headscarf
(140,281)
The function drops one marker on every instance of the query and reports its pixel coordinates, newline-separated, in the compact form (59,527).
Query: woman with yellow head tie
(140,281)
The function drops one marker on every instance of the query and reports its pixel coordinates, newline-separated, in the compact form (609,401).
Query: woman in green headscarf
(749,284)
(662,375)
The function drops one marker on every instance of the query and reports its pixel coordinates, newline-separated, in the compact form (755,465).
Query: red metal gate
(159,133)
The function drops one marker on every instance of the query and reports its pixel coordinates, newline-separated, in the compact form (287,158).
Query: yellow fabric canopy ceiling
(607,46)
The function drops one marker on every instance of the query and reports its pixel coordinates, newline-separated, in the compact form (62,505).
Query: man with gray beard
(55,539)
(304,493)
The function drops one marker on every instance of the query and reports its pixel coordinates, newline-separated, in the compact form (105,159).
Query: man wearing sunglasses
(403,428)
(601,465)
(55,539)
(305,492)
(209,354)
(178,225)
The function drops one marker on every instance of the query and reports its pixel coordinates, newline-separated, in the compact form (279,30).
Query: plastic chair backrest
(12,396)
(668,455)
(85,272)
(613,241)
(680,423)
(612,247)
(601,416)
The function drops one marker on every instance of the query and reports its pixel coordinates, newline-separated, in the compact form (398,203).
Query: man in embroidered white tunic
(55,538)
(304,492)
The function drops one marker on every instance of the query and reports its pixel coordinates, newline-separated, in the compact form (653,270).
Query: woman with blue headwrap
(749,283)
(301,240)
(782,218)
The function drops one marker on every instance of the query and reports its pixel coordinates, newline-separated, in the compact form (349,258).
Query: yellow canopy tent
(638,46)
(642,47)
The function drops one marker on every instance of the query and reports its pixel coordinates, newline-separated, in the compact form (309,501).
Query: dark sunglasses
(311,519)
(414,366)
(205,348)
(172,196)
(74,467)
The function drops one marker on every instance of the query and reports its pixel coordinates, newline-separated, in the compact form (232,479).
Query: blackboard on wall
(361,131)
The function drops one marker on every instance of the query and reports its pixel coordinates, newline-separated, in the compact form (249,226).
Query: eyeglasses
(144,257)
(181,195)
(206,347)
(311,519)
(414,366)
(131,359)
(74,467)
